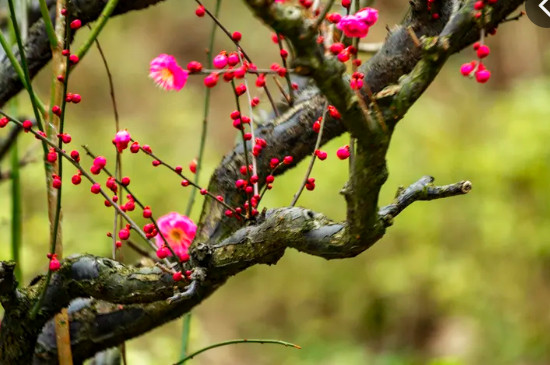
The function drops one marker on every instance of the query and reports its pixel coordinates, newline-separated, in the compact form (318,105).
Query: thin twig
(313,158)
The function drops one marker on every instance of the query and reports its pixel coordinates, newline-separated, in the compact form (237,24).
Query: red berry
(96,188)
(211,80)
(274,163)
(74,59)
(76,98)
(184,183)
(163,252)
(478,5)
(200,11)
(193,166)
(236,36)
(482,76)
(4,122)
(54,264)
(155,163)
(125,181)
(321,155)
(194,67)
(240,89)
(124,234)
(235,114)
(134,148)
(239,184)
(483,51)
(343,152)
(56,183)
(75,24)
(75,155)
(334,112)
(147,212)
(336,48)
(177,276)
(269,179)
(27,125)
(100,161)
(203,191)
(288,160)
(76,179)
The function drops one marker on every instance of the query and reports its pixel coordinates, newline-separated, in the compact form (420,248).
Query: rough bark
(124,302)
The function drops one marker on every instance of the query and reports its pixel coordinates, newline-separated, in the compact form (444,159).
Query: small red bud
(96,188)
(236,36)
(75,24)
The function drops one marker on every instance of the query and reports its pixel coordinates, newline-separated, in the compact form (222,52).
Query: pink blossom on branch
(358,25)
(166,72)
(121,140)
(179,231)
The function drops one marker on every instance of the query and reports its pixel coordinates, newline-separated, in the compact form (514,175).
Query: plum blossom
(358,24)
(166,72)
(179,232)
(121,140)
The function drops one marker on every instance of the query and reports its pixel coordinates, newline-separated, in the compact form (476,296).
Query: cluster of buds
(476,67)
(310,184)
(356,82)
(150,230)
(98,165)
(341,52)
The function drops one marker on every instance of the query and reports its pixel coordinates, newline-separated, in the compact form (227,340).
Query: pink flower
(178,230)
(367,15)
(353,27)
(121,140)
(166,72)
(357,25)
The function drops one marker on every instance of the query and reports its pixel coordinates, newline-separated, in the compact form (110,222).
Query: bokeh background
(463,280)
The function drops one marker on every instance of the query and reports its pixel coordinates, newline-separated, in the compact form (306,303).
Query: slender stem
(313,157)
(101,21)
(251,115)
(185,334)
(16,211)
(206,111)
(118,165)
(232,342)
(322,16)
(287,75)
(25,66)
(245,147)
(48,23)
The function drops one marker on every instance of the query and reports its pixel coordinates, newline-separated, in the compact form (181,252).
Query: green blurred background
(456,281)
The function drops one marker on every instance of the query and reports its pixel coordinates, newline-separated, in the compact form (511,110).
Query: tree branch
(38,50)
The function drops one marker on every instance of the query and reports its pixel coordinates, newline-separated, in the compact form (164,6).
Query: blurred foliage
(455,281)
